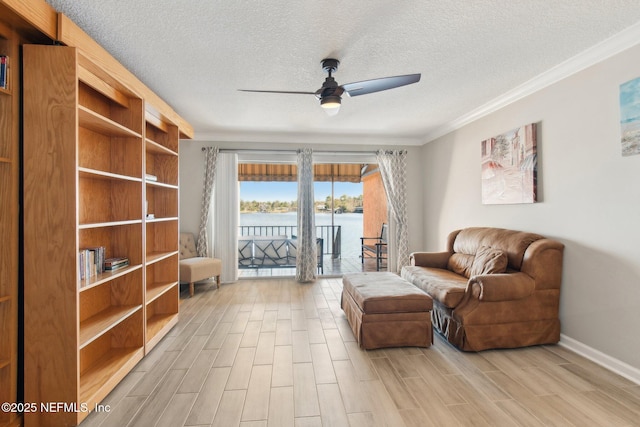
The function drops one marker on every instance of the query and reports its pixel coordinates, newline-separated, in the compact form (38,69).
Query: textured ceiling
(195,54)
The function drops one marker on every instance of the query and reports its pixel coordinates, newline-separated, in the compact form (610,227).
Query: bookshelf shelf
(156,290)
(161,202)
(99,85)
(159,256)
(86,284)
(162,185)
(156,220)
(117,362)
(108,200)
(157,148)
(91,120)
(100,323)
(109,224)
(157,322)
(97,174)
(158,325)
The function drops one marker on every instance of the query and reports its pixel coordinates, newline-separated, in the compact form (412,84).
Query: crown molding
(615,44)
(307,138)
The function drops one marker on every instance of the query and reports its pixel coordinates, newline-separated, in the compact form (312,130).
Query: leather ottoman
(384,310)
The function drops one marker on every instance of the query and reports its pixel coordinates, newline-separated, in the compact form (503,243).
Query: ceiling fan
(330,94)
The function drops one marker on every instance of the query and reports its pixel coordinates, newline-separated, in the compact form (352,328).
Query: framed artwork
(630,117)
(509,167)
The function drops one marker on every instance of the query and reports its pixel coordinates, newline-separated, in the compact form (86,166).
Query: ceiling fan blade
(277,91)
(377,85)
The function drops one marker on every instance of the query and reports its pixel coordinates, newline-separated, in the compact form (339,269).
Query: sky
(288,191)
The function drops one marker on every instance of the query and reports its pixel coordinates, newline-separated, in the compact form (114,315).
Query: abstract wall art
(630,117)
(509,167)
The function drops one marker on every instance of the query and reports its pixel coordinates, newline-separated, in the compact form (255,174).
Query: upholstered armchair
(194,268)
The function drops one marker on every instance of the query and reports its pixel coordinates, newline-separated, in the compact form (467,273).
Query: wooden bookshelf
(83,187)
(9,220)
(97,160)
(162,287)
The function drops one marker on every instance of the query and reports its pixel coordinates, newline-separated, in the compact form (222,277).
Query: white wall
(589,199)
(192,176)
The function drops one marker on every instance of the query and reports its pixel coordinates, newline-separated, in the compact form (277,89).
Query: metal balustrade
(331,234)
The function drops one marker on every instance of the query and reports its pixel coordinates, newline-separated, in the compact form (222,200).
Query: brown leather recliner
(492,288)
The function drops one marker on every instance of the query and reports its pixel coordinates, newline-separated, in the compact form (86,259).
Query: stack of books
(91,262)
(4,71)
(115,263)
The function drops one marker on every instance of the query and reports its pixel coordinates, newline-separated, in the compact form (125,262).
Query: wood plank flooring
(278,353)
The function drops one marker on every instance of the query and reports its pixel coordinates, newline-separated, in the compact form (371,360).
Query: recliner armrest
(430,259)
(501,287)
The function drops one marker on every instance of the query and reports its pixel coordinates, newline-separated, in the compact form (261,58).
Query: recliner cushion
(513,243)
(442,285)
(488,260)
(461,264)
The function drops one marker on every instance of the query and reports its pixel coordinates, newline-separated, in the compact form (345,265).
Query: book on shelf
(91,262)
(4,71)
(150,177)
(116,267)
(115,263)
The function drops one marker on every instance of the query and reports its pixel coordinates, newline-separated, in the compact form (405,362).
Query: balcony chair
(371,247)
(194,268)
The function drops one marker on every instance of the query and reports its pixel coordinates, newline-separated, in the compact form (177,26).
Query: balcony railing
(331,234)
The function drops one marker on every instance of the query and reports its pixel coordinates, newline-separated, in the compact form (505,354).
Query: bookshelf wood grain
(9,219)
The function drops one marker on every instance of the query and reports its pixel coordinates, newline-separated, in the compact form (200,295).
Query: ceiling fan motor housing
(329,93)
(330,65)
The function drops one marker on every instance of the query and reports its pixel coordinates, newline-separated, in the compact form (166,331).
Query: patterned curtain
(393,165)
(225,216)
(210,160)
(307,257)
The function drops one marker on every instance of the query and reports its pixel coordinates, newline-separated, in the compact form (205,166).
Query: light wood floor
(278,353)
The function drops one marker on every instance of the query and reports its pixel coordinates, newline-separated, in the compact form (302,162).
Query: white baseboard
(619,367)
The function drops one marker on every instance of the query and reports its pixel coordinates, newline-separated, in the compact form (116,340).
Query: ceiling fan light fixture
(331,104)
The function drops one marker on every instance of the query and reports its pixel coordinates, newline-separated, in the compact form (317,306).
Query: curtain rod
(265,151)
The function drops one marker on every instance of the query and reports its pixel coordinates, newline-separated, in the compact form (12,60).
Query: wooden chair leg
(191,289)
(218,282)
